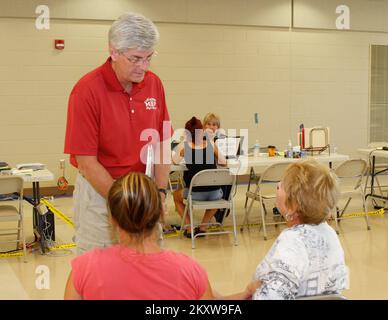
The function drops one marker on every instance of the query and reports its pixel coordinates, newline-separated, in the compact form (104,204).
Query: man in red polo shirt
(114,113)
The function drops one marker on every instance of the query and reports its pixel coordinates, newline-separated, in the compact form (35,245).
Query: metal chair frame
(210,177)
(13,185)
(271,175)
(353,169)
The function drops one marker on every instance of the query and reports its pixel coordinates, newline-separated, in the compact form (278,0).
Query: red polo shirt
(105,121)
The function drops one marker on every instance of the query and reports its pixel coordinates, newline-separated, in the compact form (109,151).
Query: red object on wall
(59,44)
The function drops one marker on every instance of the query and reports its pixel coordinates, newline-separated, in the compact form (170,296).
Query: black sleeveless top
(197,160)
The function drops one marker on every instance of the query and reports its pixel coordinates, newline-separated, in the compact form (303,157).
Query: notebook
(150,162)
(230,147)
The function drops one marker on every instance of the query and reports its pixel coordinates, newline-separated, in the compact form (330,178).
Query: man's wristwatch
(163,191)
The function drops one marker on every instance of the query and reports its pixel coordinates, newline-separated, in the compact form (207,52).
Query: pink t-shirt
(119,273)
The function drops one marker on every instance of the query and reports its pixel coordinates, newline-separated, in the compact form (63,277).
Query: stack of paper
(4,166)
(32,166)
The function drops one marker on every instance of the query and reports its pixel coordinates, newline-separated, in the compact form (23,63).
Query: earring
(289,217)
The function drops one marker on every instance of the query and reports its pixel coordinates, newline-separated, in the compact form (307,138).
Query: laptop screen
(230,147)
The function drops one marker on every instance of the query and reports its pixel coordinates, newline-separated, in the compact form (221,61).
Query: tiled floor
(230,267)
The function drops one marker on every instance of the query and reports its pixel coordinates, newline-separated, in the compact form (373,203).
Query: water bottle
(256,149)
(289,149)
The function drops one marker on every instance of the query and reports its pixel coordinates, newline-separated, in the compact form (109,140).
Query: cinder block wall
(288,76)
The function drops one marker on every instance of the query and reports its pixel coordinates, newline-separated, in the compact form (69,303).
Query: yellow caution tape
(379,212)
(12,254)
(171,235)
(63,246)
(57,212)
(21,253)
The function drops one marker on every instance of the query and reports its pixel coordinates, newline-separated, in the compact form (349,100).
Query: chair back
(351,168)
(175,179)
(213,177)
(11,184)
(274,172)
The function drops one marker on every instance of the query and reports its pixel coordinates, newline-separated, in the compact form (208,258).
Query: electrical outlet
(62,163)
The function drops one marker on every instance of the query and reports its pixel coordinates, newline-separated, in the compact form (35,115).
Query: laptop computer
(229,146)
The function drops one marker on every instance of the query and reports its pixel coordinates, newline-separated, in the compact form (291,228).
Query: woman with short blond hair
(211,120)
(211,125)
(311,188)
(307,258)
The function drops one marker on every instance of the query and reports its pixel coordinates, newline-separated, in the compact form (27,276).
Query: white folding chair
(8,213)
(351,173)
(253,179)
(381,165)
(210,177)
(270,177)
(175,178)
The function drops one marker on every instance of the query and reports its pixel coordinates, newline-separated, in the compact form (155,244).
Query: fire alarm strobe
(59,44)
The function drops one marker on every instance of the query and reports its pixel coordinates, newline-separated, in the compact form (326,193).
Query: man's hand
(95,174)
(244,295)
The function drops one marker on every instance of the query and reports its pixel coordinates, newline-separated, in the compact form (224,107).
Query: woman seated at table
(199,154)
(137,268)
(307,258)
(211,125)
(213,132)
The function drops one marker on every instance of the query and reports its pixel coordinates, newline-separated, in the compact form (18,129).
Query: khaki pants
(92,227)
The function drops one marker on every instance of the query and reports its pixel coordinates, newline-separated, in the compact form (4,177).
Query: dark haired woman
(199,154)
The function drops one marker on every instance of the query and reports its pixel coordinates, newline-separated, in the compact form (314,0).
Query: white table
(37,176)
(243,164)
(372,154)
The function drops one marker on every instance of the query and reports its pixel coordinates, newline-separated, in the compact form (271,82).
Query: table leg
(38,232)
(373,176)
(372,193)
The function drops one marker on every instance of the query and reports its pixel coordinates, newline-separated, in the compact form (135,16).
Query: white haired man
(110,110)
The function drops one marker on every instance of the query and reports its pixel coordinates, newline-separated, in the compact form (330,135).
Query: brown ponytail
(134,204)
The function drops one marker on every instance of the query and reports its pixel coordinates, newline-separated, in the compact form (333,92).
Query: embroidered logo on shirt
(150,103)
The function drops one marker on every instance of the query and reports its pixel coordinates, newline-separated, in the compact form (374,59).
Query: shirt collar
(113,83)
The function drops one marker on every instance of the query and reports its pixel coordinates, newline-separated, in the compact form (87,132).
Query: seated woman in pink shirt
(137,268)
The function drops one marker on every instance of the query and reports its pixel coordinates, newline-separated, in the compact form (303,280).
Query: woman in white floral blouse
(307,258)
